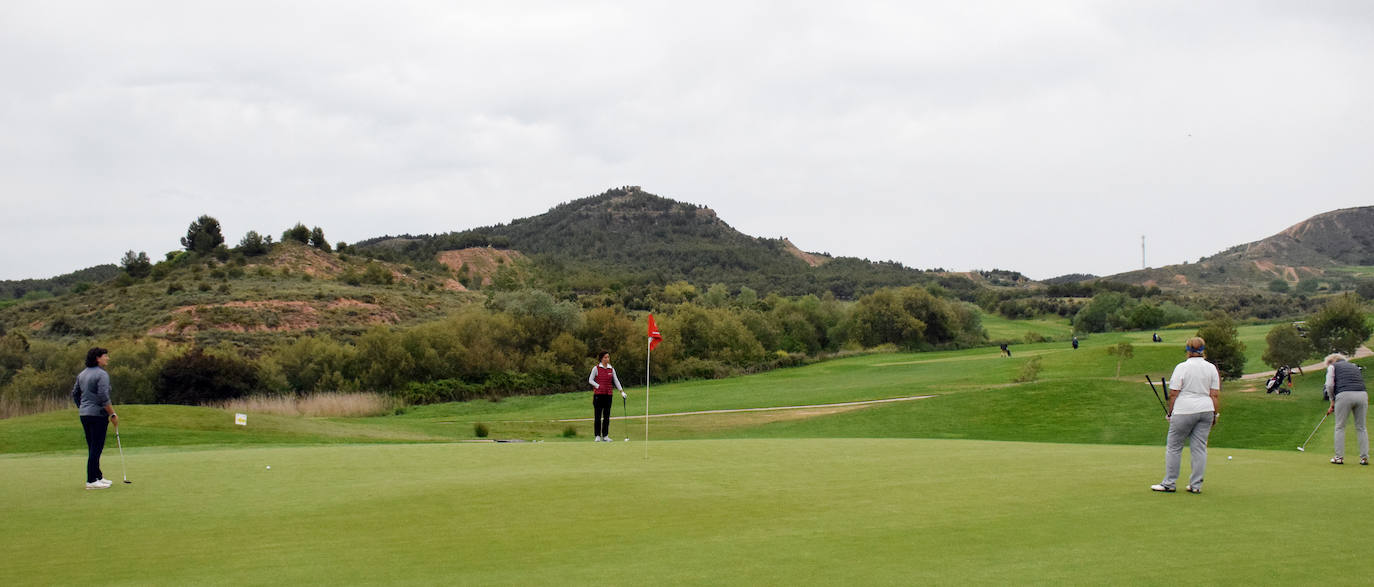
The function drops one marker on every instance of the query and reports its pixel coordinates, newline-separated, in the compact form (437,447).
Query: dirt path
(1360,353)
(738,410)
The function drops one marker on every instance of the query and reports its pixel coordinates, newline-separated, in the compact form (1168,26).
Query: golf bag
(1276,384)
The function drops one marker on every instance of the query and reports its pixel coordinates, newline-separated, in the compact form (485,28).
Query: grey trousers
(1346,403)
(1194,428)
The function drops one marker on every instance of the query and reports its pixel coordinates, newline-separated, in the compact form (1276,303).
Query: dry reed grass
(11,408)
(318,405)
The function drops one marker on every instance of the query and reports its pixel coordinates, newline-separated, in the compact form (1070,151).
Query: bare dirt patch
(362,311)
(810,259)
(254,316)
(480,263)
(310,261)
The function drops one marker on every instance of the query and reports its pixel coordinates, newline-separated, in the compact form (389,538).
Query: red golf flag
(654,336)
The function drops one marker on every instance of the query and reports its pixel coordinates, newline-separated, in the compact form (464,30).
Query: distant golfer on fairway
(1194,406)
(1345,387)
(602,378)
(91,394)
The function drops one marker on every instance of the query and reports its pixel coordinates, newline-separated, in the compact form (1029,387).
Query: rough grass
(14,408)
(318,405)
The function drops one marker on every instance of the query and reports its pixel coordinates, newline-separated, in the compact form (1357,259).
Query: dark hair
(601,355)
(93,356)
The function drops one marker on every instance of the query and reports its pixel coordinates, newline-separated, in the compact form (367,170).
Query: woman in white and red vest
(602,379)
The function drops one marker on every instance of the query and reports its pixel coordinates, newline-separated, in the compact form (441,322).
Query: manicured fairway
(744,512)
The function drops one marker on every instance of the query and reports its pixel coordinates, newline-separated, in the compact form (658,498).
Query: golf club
(625,416)
(1152,388)
(123,469)
(1303,448)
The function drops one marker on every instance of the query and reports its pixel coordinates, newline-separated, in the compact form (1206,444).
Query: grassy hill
(630,236)
(12,291)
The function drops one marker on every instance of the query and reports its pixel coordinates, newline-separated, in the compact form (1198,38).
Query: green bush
(1340,326)
(1224,347)
(377,275)
(29,384)
(254,244)
(298,233)
(136,265)
(480,430)
(317,239)
(1285,346)
(441,391)
(569,431)
(203,235)
(1030,371)
(196,378)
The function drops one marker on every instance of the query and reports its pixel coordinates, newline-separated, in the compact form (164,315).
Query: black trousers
(95,427)
(601,413)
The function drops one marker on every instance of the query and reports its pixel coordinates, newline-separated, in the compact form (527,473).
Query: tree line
(517,342)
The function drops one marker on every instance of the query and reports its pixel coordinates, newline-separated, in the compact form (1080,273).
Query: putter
(624,417)
(123,469)
(1157,398)
(1303,448)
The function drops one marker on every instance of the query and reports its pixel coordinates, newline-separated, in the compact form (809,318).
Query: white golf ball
(1227,458)
(269,467)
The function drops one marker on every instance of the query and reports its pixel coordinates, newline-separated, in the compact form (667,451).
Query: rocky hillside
(293,290)
(1327,248)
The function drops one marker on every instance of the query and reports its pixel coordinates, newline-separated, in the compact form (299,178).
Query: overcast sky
(1044,137)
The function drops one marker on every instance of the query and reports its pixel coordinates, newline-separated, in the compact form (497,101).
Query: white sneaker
(598,439)
(98,484)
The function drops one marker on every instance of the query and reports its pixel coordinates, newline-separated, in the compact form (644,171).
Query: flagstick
(648,352)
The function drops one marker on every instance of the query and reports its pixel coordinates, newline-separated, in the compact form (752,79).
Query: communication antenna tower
(1142,251)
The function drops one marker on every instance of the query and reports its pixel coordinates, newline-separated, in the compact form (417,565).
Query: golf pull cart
(1281,383)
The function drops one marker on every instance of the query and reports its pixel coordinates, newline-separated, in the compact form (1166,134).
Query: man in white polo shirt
(1194,406)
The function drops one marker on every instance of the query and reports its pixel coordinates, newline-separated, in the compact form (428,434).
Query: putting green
(755,511)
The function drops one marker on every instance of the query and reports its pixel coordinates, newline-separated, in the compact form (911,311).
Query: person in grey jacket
(1345,387)
(91,393)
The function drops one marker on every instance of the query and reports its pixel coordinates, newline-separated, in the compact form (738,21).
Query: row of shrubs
(518,342)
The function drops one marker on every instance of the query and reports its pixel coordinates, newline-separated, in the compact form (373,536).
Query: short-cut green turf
(741,512)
